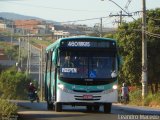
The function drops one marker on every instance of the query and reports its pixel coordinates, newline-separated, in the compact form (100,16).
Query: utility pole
(19,55)
(101,29)
(120,19)
(144,52)
(120,16)
(39,82)
(22,45)
(28,56)
(41,73)
(19,50)
(29,52)
(12,32)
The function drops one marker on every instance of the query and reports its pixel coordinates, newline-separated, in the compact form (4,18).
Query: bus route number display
(87,44)
(78,44)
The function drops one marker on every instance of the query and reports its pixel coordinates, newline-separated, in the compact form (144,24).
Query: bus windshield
(78,64)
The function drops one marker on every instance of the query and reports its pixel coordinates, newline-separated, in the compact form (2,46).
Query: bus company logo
(79,44)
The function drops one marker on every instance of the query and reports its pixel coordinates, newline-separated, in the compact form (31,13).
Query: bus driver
(68,63)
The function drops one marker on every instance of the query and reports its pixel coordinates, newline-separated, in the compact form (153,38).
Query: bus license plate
(87,97)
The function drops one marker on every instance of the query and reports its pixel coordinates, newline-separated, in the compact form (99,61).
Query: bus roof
(57,43)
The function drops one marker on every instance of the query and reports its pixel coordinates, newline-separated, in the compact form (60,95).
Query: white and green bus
(81,71)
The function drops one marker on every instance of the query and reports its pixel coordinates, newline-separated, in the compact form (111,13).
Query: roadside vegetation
(13,85)
(7,109)
(151,100)
(129,39)
(45,42)
(10,50)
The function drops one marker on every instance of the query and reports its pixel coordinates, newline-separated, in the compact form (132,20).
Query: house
(32,26)
(60,34)
(2,26)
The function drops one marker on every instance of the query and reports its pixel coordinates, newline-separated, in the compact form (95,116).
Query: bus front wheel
(107,107)
(89,108)
(58,107)
(96,108)
(50,106)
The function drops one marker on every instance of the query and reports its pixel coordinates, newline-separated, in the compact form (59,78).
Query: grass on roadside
(151,100)
(40,42)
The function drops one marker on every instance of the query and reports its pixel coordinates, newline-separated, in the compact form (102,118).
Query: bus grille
(91,91)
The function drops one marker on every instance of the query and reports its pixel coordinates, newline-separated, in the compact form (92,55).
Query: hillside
(14,16)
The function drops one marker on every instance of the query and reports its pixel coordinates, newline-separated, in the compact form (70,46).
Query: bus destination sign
(88,44)
(78,44)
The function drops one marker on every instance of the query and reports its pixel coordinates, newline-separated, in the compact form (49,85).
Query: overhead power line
(84,20)
(120,16)
(127,5)
(49,7)
(152,34)
(122,9)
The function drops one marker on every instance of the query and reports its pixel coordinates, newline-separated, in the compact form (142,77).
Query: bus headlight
(61,86)
(115,87)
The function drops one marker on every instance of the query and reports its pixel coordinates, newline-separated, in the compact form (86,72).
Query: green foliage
(13,84)
(136,97)
(148,99)
(12,52)
(7,108)
(129,39)
(153,46)
(40,42)
(152,100)
(129,42)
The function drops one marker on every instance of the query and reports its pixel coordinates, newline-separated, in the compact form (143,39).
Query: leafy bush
(13,84)
(7,108)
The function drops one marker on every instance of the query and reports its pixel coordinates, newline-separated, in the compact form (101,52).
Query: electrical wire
(49,7)
(84,20)
(68,21)
(152,34)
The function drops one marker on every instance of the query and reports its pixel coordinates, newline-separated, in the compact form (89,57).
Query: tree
(129,39)
(129,42)
(153,18)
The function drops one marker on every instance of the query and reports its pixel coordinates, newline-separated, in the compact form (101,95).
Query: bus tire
(58,107)
(107,107)
(89,108)
(96,108)
(50,106)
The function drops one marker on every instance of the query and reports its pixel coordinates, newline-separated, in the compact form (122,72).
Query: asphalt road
(38,111)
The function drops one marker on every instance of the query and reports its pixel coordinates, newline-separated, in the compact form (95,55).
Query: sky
(73,10)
